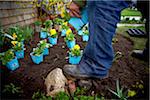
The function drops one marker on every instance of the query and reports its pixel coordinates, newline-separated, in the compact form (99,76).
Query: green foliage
(27,33)
(86,32)
(18,46)
(70,37)
(40,96)
(130,12)
(37,23)
(7,56)
(12,89)
(48,24)
(18,31)
(62,96)
(65,27)
(75,51)
(37,51)
(80,91)
(44,29)
(67,16)
(43,44)
(119,93)
(58,21)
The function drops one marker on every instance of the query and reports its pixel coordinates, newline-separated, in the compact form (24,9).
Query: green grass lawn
(130,12)
(139,43)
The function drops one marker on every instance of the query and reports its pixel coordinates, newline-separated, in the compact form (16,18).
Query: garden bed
(30,77)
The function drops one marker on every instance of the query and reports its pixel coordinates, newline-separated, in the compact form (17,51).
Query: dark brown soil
(30,77)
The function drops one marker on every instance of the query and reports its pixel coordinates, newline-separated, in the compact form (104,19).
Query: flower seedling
(48,24)
(44,45)
(69,35)
(37,51)
(75,55)
(53,33)
(18,47)
(70,40)
(7,56)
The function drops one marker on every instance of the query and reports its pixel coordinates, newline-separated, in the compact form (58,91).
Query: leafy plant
(58,21)
(17,33)
(48,23)
(17,46)
(69,35)
(62,96)
(86,32)
(119,93)
(43,44)
(7,56)
(12,89)
(40,96)
(44,30)
(75,51)
(27,33)
(80,91)
(53,33)
(65,25)
(37,51)
(38,23)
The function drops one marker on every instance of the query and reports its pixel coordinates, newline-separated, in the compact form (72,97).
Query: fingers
(74,14)
(74,10)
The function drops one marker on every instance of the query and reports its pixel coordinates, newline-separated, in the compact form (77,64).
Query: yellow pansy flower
(77,47)
(14,42)
(62,13)
(14,35)
(65,23)
(68,31)
(52,32)
(131,93)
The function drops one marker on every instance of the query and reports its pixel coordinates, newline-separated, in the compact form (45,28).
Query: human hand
(74,10)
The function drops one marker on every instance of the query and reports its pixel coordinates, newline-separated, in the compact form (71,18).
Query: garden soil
(30,77)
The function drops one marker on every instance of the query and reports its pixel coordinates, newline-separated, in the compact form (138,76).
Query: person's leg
(98,54)
(143,7)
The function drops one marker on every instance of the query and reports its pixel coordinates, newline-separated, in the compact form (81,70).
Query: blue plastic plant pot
(46,51)
(13,64)
(74,59)
(37,59)
(43,35)
(52,41)
(85,37)
(80,32)
(19,54)
(84,16)
(70,44)
(76,23)
(63,32)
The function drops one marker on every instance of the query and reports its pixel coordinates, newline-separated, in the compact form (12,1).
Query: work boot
(74,71)
(139,55)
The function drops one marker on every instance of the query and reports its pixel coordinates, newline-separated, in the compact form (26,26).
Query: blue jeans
(103,18)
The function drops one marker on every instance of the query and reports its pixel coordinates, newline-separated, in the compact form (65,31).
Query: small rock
(66,58)
(72,86)
(55,82)
(63,46)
